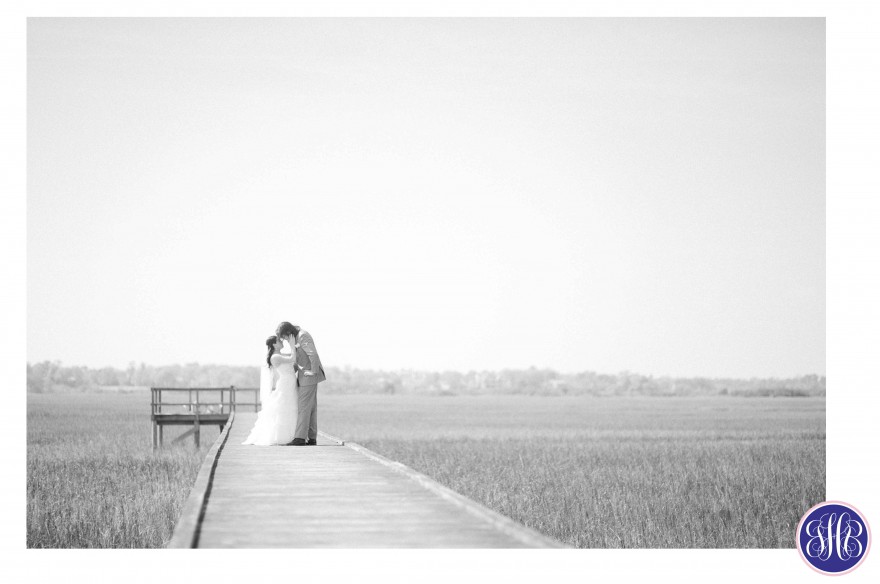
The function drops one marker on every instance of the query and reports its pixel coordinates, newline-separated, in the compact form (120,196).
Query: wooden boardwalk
(332,495)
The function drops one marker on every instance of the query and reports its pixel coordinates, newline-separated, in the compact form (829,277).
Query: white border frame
(852,339)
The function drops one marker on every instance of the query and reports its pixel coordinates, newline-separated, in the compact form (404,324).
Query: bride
(276,421)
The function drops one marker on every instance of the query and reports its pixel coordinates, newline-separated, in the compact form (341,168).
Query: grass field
(611,472)
(591,472)
(92,480)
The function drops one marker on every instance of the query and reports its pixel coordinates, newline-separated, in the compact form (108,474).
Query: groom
(309,374)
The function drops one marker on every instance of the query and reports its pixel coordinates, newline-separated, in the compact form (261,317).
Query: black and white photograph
(427,283)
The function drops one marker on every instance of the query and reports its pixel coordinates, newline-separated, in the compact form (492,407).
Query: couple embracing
(289,390)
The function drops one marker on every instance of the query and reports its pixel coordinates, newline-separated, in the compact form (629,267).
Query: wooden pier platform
(332,495)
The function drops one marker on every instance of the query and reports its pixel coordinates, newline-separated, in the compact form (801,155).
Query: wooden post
(222,406)
(196,434)
(153,414)
(159,426)
(256,400)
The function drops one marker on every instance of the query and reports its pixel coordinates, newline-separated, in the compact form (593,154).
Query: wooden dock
(211,406)
(333,495)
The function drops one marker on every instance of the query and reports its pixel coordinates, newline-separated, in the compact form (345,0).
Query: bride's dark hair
(270,342)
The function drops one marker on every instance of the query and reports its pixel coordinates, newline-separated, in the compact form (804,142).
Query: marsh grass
(92,480)
(613,472)
(719,472)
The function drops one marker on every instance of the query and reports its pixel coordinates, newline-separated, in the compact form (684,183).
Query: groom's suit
(307,392)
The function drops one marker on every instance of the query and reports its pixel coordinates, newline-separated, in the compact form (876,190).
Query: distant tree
(107,376)
(46,376)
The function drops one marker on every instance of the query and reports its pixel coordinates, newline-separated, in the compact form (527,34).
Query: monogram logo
(833,538)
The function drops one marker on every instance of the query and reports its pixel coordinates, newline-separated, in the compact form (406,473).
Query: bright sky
(582,194)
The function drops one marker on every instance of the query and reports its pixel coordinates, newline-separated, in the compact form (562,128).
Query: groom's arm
(307,345)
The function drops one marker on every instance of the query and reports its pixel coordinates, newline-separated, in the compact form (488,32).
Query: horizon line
(415,369)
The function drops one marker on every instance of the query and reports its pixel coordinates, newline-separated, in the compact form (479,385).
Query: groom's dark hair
(285,328)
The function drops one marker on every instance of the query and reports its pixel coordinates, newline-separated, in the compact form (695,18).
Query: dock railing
(196,407)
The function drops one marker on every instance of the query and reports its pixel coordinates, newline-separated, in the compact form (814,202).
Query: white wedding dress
(276,422)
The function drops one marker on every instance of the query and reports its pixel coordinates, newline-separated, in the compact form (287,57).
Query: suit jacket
(307,356)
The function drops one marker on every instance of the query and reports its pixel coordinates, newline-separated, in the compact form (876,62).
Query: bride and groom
(289,390)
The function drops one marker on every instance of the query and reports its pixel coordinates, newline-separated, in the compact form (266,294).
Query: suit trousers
(307,412)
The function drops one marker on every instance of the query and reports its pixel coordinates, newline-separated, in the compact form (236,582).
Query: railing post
(153,415)
(197,425)
(160,426)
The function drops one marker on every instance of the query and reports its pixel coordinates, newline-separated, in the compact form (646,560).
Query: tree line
(53,376)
